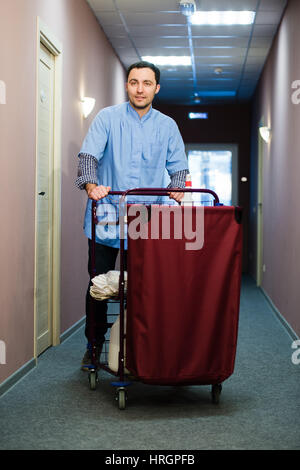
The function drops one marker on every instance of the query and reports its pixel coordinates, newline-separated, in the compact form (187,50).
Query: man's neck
(141,112)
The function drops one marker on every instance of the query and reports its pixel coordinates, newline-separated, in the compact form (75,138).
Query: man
(127,146)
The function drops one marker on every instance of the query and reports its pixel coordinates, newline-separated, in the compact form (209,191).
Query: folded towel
(106,285)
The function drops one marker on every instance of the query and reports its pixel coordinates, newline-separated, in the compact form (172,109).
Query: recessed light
(187,7)
(222,17)
(218,70)
(168,60)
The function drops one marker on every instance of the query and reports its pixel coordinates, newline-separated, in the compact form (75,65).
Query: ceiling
(137,28)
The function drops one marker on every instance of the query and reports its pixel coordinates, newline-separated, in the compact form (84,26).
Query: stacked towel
(106,285)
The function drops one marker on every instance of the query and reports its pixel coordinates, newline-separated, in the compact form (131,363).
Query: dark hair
(143,65)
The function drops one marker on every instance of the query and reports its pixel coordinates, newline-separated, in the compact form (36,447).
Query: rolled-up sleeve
(176,157)
(178,179)
(87,170)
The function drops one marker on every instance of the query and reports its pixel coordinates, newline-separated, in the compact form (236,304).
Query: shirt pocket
(154,156)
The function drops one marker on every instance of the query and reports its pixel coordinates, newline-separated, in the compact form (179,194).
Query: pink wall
(281,233)
(90,67)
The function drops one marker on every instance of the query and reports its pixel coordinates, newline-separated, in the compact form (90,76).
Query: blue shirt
(132,152)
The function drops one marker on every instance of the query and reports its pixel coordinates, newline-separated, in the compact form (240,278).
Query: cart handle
(151,192)
(163,192)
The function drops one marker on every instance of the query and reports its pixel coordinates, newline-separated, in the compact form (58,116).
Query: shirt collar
(135,114)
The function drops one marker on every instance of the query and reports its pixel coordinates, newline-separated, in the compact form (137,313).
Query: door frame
(48,39)
(259,209)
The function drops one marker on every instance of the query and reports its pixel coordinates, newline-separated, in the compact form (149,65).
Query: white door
(259,213)
(44,206)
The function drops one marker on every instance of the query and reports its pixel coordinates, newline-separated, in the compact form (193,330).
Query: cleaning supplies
(187,199)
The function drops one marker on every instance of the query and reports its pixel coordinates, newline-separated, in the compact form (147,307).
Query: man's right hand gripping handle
(96,192)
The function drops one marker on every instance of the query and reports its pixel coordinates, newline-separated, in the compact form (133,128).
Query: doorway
(44,206)
(48,190)
(215,167)
(259,213)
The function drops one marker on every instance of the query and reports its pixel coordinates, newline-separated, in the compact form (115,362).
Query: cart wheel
(121,398)
(215,393)
(93,379)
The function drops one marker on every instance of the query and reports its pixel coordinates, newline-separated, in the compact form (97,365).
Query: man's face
(141,87)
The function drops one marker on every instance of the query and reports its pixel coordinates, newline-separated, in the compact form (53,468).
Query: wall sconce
(87,105)
(265,133)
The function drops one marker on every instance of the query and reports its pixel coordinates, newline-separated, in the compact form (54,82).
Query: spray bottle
(187,199)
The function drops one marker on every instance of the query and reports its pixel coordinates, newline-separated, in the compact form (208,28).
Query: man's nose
(140,87)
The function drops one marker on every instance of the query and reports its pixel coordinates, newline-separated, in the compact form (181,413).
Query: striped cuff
(178,179)
(87,173)
(87,170)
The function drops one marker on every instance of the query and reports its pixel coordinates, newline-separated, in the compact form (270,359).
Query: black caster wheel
(93,379)
(215,393)
(121,397)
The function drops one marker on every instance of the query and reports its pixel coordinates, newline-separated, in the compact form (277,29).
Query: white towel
(107,285)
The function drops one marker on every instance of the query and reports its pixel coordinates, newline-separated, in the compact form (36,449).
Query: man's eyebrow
(144,81)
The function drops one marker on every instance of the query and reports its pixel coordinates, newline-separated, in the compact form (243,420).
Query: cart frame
(123,382)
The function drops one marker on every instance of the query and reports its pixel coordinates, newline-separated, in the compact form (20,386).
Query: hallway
(53,408)
(239,94)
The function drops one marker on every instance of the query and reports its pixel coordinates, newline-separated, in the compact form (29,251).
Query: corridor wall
(277,105)
(90,67)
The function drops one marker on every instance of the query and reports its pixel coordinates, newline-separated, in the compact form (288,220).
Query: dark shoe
(86,363)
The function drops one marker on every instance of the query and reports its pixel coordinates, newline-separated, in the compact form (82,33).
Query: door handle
(42,193)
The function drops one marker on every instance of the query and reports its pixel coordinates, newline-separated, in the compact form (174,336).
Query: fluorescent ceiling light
(168,60)
(222,17)
(217,93)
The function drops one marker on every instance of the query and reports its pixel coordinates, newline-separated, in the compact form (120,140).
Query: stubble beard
(140,106)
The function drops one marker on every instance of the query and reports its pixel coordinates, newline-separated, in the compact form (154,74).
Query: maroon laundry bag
(183,305)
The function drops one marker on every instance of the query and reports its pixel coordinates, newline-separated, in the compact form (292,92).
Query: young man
(127,146)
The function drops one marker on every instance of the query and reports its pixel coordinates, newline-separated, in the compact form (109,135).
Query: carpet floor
(53,408)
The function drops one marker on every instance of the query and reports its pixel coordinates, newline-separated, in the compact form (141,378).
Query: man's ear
(126,86)
(157,89)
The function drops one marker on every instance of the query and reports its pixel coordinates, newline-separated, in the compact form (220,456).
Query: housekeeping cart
(180,323)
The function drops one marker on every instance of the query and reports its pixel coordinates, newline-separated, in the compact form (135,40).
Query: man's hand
(96,192)
(176,196)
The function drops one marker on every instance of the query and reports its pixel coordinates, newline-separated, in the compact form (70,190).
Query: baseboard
(293,335)
(70,331)
(17,376)
(20,373)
